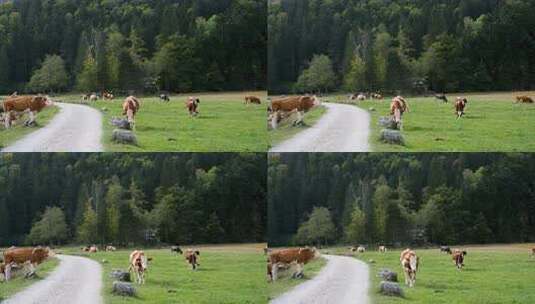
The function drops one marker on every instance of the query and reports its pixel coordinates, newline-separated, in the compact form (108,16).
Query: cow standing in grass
(164,97)
(445,249)
(192,104)
(130,108)
(299,256)
(458,258)
(532,252)
(300,104)
(524,99)
(252,99)
(192,257)
(382,249)
(409,263)
(176,249)
(460,105)
(398,106)
(30,256)
(19,105)
(138,264)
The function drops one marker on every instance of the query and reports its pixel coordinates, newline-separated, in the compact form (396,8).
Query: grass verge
(285,130)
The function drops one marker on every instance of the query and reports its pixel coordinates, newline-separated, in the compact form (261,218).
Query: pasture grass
(285,130)
(497,274)
(492,122)
(18,130)
(18,283)
(224,124)
(285,282)
(228,274)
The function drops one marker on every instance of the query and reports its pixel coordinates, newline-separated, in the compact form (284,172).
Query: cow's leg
(274,271)
(7,122)
(32,118)
(274,120)
(8,272)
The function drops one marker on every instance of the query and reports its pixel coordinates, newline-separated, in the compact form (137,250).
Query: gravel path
(344,128)
(76,280)
(344,280)
(76,128)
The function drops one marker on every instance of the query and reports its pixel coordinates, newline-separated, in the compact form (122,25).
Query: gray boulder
(120,275)
(123,289)
(388,123)
(124,137)
(388,275)
(390,289)
(392,137)
(120,123)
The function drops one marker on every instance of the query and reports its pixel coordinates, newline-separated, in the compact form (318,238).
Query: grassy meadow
(228,274)
(18,283)
(18,130)
(224,124)
(498,274)
(285,282)
(492,122)
(285,130)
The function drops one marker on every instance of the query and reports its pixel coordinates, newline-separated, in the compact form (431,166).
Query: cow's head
(142,263)
(45,101)
(316,101)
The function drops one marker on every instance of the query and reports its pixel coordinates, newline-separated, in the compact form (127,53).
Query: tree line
(126,199)
(142,45)
(398,199)
(401,46)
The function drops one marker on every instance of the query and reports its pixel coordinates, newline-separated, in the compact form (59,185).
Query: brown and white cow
(138,264)
(31,256)
(192,257)
(300,104)
(107,95)
(382,249)
(457,256)
(192,104)
(93,97)
(93,249)
(524,99)
(110,248)
(252,99)
(131,106)
(24,104)
(377,96)
(361,249)
(409,263)
(398,106)
(460,105)
(299,256)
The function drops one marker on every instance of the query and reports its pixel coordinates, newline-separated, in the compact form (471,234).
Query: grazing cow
(458,258)
(377,96)
(524,99)
(93,97)
(252,99)
(24,104)
(192,257)
(361,249)
(533,252)
(445,249)
(176,249)
(93,249)
(301,104)
(460,104)
(110,248)
(382,249)
(361,97)
(164,97)
(107,96)
(441,97)
(409,263)
(130,108)
(299,256)
(139,264)
(398,106)
(85,97)
(85,248)
(32,256)
(192,104)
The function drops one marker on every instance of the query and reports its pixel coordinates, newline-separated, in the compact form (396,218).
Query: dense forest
(141,45)
(399,199)
(129,199)
(409,46)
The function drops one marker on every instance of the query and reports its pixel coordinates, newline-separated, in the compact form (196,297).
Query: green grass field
(500,274)
(285,282)
(285,129)
(224,124)
(18,283)
(228,274)
(19,130)
(492,123)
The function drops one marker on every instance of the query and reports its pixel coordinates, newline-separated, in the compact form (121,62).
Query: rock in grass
(388,122)
(120,123)
(123,289)
(392,137)
(298,275)
(388,275)
(124,137)
(390,289)
(120,275)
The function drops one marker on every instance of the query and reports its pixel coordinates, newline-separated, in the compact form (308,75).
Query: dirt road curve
(344,128)
(76,128)
(76,280)
(344,280)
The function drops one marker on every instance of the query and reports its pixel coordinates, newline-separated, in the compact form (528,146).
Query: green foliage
(87,79)
(318,229)
(52,76)
(50,229)
(319,77)
(87,232)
